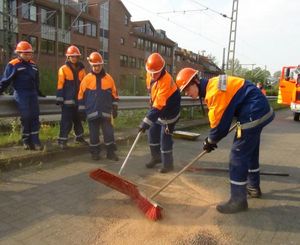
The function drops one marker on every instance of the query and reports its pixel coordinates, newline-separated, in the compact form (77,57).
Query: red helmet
(184,77)
(95,59)
(73,51)
(155,63)
(24,47)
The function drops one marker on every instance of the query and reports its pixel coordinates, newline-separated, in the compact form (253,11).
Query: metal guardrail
(48,107)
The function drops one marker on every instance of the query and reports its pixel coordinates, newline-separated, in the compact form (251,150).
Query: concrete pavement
(56,203)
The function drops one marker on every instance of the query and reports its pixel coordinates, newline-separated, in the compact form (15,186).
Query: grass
(10,132)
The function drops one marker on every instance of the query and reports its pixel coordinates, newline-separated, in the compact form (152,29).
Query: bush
(48,81)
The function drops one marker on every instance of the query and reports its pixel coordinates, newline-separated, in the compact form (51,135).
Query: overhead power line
(182,11)
(212,10)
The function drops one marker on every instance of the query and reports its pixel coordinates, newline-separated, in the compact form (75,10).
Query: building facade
(92,25)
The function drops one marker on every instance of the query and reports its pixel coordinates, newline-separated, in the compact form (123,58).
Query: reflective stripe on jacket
(23,75)
(217,100)
(68,83)
(164,97)
(97,94)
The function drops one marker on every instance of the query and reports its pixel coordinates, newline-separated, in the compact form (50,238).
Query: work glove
(207,146)
(114,111)
(143,127)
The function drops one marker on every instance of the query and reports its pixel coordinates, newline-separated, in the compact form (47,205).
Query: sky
(268,31)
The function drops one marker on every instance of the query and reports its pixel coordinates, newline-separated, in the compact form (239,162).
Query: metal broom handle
(128,155)
(185,168)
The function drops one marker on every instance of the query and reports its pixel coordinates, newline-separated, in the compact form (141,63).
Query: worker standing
(228,97)
(23,73)
(98,99)
(163,114)
(70,76)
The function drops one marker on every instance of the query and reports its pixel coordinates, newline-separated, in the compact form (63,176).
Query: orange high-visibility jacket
(68,83)
(97,94)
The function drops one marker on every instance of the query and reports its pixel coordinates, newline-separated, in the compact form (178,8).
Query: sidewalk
(14,157)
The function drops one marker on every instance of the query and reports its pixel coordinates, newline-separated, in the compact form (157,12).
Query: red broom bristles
(150,209)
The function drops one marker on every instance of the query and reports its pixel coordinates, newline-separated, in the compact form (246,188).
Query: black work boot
(233,206)
(81,141)
(111,155)
(167,159)
(153,162)
(254,192)
(155,156)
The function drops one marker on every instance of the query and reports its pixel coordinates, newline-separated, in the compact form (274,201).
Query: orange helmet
(24,47)
(72,51)
(184,77)
(155,63)
(95,59)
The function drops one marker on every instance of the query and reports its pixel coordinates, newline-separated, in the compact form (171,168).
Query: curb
(52,152)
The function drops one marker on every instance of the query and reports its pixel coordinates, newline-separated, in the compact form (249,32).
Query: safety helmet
(72,51)
(24,47)
(155,63)
(184,77)
(95,59)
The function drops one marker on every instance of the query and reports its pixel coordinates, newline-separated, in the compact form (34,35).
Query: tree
(277,74)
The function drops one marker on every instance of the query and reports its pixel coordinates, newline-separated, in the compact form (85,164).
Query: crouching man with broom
(163,114)
(227,97)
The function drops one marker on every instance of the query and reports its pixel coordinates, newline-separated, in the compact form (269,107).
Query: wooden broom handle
(185,168)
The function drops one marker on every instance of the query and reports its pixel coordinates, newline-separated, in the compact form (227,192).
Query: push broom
(127,187)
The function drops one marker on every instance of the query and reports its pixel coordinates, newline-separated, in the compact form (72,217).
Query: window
(90,50)
(140,43)
(122,41)
(123,60)
(47,46)
(162,49)
(147,45)
(91,29)
(79,26)
(154,47)
(48,17)
(67,21)
(12,7)
(29,11)
(104,33)
(169,53)
(126,19)
(81,49)
(62,48)
(178,58)
(134,44)
(32,40)
(132,62)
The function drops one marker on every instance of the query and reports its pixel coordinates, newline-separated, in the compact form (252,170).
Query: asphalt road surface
(57,203)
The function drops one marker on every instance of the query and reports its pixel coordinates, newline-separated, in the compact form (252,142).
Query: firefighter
(98,98)
(23,73)
(228,97)
(70,76)
(260,86)
(163,114)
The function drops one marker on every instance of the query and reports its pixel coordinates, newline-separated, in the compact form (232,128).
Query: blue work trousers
(108,134)
(161,142)
(69,118)
(244,162)
(28,106)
